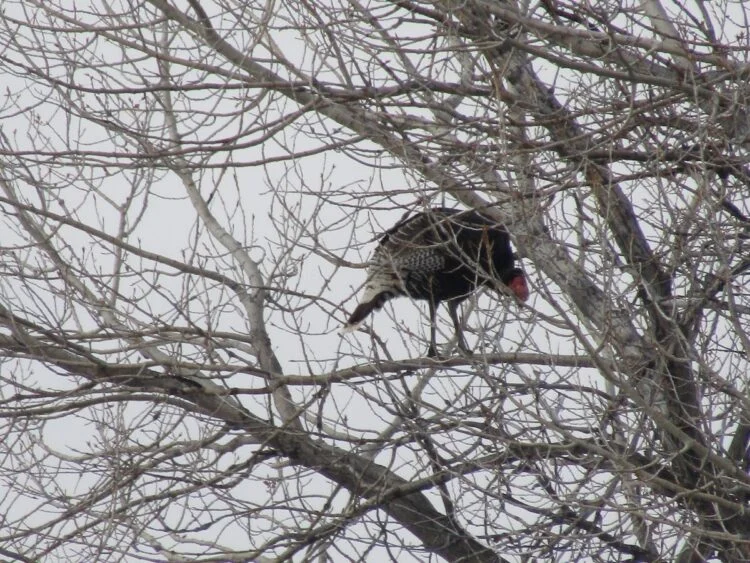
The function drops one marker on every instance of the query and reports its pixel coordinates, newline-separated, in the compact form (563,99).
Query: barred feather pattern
(406,272)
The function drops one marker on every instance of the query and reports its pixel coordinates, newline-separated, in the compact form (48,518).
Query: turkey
(439,255)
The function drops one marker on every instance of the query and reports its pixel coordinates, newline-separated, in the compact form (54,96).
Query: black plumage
(439,255)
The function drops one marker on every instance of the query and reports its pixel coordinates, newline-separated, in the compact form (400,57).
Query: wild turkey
(439,255)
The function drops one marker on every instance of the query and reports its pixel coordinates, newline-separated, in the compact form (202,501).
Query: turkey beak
(519,288)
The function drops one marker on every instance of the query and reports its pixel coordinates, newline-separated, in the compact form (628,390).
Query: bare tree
(190,192)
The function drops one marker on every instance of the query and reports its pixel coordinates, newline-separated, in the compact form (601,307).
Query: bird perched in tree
(440,255)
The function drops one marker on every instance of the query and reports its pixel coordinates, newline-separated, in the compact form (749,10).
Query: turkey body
(439,255)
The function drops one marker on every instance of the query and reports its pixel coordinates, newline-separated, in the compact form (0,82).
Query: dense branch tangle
(185,193)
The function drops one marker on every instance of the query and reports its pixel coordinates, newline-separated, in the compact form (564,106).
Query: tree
(190,192)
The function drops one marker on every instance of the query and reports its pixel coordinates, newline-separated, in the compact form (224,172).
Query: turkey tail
(364,309)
